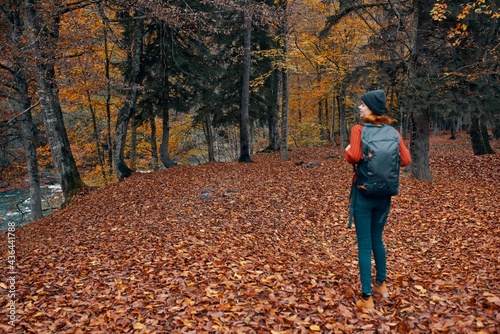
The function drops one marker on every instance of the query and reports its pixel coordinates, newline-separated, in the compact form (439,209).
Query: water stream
(15,205)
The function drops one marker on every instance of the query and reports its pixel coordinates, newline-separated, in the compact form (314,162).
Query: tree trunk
(435,124)
(496,128)
(100,153)
(391,101)
(132,81)
(495,124)
(164,155)
(44,36)
(324,124)
(165,116)
(283,35)
(26,121)
(320,119)
(209,135)
(483,126)
(284,116)
(121,168)
(332,124)
(453,131)
(479,135)
(27,129)
(344,136)
(56,133)
(419,148)
(401,116)
(107,64)
(133,144)
(251,139)
(419,145)
(154,148)
(274,136)
(245,95)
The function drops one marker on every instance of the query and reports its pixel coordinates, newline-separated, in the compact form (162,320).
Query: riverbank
(15,202)
(21,182)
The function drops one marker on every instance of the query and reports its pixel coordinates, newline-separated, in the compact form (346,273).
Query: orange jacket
(353,155)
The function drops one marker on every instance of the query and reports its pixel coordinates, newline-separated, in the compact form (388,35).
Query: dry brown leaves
(264,248)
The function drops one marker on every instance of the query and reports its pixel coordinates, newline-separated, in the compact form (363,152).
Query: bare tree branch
(334,19)
(11,120)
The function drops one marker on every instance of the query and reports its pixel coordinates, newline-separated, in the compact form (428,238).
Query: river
(15,204)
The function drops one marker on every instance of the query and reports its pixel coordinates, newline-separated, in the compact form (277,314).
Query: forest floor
(262,247)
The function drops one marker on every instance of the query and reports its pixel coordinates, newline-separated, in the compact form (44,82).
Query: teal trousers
(370,217)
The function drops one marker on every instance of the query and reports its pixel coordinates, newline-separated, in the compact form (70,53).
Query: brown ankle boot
(381,290)
(365,304)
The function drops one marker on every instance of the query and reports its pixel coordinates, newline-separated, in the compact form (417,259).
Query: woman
(369,213)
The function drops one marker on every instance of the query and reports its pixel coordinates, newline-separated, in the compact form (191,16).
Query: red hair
(377,119)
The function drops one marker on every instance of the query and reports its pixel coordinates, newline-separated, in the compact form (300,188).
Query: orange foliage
(440,12)
(319,68)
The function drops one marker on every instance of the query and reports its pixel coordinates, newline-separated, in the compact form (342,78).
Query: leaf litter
(264,247)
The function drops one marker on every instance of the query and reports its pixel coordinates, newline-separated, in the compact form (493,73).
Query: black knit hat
(375,100)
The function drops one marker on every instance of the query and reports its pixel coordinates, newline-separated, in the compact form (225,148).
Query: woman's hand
(348,147)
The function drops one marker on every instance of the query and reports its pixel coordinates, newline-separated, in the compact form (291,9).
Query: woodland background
(94,90)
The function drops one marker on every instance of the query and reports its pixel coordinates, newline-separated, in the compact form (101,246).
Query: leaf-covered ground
(264,248)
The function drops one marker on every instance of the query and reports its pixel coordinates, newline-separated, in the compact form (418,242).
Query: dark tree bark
(209,135)
(284,116)
(28,130)
(107,65)
(322,134)
(44,33)
(453,134)
(165,115)
(164,155)
(274,137)
(419,148)
(22,100)
(479,135)
(496,127)
(154,148)
(95,127)
(133,144)
(121,168)
(132,80)
(245,94)
(495,124)
(324,124)
(332,124)
(483,126)
(435,124)
(344,136)
(285,99)
(419,115)
(56,133)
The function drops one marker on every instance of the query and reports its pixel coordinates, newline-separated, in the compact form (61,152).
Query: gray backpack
(378,171)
